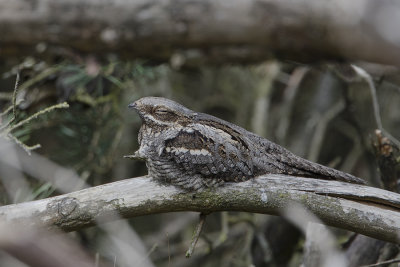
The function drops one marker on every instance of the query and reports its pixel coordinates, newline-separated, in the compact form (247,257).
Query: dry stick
(363,74)
(169,253)
(382,263)
(196,235)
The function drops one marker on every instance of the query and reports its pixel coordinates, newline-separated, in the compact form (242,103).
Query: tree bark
(366,210)
(205,30)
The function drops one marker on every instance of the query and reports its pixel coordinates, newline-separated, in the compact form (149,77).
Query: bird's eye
(162,111)
(165,114)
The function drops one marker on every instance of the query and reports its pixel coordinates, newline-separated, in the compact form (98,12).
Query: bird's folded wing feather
(199,154)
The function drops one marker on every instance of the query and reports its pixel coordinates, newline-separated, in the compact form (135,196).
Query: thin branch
(366,210)
(196,235)
(365,76)
(382,263)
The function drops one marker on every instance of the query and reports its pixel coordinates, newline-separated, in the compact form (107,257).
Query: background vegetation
(327,113)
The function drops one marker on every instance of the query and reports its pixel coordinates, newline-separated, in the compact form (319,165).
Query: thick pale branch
(206,30)
(367,210)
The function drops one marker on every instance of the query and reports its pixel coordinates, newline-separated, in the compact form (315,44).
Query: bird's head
(159,111)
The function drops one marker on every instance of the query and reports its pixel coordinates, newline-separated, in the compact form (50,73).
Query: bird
(195,151)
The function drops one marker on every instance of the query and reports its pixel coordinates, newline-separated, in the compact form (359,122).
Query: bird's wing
(276,159)
(201,152)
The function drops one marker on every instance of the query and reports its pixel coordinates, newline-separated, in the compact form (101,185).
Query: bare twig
(169,253)
(365,76)
(382,263)
(196,235)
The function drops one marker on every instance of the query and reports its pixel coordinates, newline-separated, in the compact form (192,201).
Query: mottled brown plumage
(195,150)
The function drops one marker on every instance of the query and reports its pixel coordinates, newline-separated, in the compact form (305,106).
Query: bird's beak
(135,105)
(132,105)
